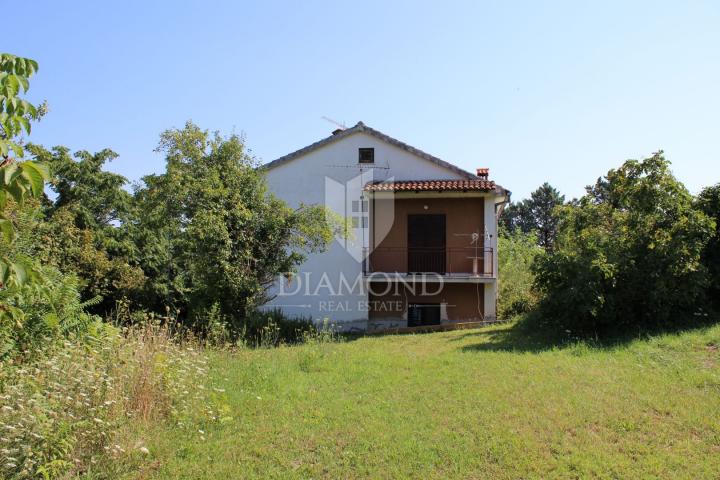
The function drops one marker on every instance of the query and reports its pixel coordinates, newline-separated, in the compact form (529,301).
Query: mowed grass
(463,404)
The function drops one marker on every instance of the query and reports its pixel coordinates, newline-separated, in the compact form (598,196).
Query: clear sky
(537,91)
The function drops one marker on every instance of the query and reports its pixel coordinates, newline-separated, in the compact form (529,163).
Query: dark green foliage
(627,254)
(536,214)
(709,203)
(270,328)
(204,238)
(86,230)
(40,312)
(209,233)
(95,196)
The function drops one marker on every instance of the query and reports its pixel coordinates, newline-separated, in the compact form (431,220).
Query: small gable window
(366,155)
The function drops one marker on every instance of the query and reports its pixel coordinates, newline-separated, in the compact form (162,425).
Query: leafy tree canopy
(87,227)
(18,180)
(628,253)
(210,233)
(709,203)
(536,214)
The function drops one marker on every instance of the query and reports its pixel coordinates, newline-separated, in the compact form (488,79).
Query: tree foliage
(536,214)
(18,180)
(86,229)
(629,253)
(516,253)
(16,113)
(708,201)
(209,232)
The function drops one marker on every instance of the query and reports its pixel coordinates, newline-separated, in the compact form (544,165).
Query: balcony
(460,262)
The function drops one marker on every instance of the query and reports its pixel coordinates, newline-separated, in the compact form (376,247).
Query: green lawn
(463,404)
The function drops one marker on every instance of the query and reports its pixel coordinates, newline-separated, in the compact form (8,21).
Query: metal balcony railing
(468,261)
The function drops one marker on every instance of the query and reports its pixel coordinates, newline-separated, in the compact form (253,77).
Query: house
(421,247)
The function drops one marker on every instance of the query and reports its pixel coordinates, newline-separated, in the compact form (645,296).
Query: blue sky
(537,91)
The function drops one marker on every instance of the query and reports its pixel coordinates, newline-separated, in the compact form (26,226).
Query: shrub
(271,328)
(38,314)
(46,307)
(516,253)
(627,254)
(708,201)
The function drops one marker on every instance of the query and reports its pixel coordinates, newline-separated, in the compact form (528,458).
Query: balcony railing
(465,261)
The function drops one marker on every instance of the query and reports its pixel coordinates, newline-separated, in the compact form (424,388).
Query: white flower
(144,450)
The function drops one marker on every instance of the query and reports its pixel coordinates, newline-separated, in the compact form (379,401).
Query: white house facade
(422,242)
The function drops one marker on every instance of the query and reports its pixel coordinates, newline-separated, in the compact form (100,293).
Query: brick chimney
(483,173)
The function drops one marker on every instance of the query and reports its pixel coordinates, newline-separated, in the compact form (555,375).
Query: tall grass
(62,413)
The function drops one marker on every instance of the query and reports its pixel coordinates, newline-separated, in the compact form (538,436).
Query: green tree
(536,214)
(211,234)
(37,302)
(87,227)
(37,313)
(18,180)
(708,201)
(627,254)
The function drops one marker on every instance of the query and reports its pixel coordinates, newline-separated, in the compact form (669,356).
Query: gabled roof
(431,186)
(361,127)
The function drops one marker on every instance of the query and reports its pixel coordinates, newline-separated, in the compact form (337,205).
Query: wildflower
(144,450)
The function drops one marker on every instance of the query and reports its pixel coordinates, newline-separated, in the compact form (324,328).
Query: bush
(628,254)
(708,201)
(271,328)
(516,253)
(38,314)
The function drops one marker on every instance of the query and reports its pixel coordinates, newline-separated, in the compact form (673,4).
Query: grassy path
(460,404)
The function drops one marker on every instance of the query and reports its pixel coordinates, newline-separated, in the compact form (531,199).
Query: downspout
(500,206)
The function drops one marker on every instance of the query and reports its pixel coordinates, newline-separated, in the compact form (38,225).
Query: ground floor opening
(400,305)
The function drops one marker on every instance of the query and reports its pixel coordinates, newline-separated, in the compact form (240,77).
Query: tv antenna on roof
(338,124)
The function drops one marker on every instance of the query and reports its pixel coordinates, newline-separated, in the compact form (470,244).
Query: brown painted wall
(461,298)
(463,216)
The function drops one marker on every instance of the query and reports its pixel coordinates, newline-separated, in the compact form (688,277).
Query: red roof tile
(431,186)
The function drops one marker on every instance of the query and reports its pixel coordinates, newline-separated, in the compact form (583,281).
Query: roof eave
(361,127)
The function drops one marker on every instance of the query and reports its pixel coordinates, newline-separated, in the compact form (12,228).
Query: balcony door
(426,243)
